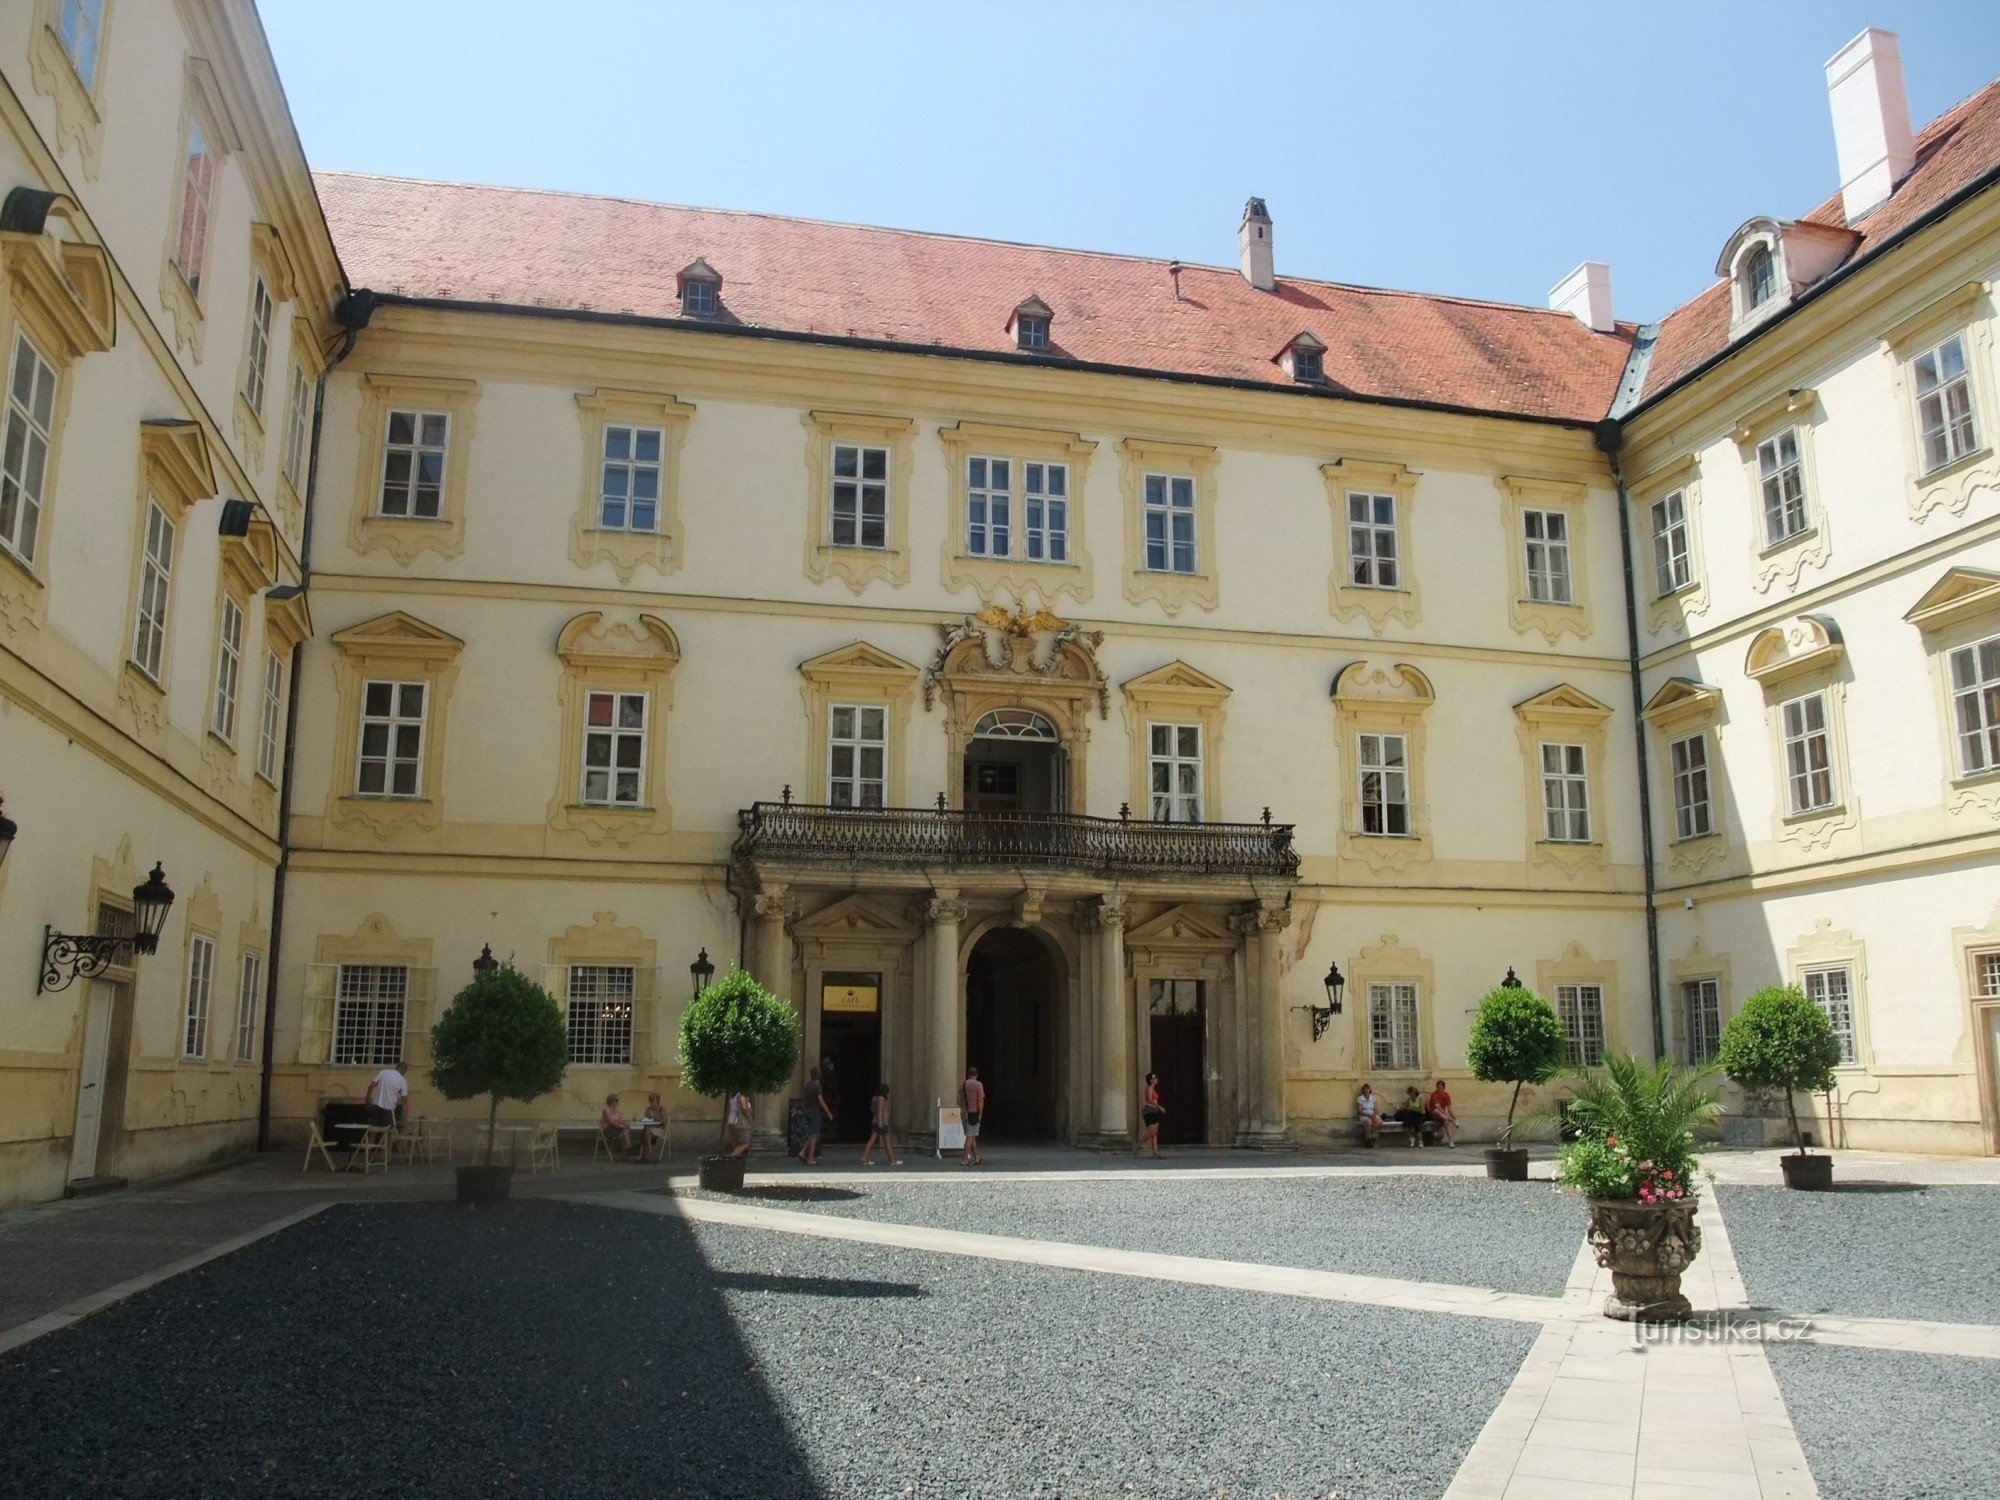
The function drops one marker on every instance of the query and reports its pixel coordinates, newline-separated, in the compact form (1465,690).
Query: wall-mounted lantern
(702,971)
(1322,1015)
(68,955)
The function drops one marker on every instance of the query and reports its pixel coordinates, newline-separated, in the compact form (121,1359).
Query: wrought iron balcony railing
(814,833)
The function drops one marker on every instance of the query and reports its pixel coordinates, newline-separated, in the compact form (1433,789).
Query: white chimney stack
(1585,294)
(1871,120)
(1253,246)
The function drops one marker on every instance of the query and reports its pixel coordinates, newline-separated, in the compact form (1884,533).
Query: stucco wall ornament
(998,642)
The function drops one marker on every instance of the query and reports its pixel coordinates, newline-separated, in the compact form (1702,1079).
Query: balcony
(900,837)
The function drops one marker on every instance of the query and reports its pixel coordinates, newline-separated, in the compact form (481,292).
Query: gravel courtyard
(1878,1425)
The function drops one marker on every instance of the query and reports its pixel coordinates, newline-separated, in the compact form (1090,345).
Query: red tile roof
(1953,151)
(612,255)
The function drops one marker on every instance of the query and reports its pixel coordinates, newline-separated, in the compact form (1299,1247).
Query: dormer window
(701,290)
(1768,262)
(1760,277)
(1304,359)
(1029,324)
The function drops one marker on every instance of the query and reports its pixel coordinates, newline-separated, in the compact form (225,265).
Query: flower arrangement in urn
(1633,1161)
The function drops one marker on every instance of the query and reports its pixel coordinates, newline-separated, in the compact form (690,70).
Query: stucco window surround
(858,566)
(1348,599)
(396,647)
(1173,592)
(204,108)
(864,676)
(1829,947)
(1965,314)
(1679,606)
(175,471)
(1960,610)
(78,100)
(271,264)
(1784,561)
(1017,574)
(1680,709)
(602,654)
(1175,694)
(375,941)
(1564,715)
(1576,966)
(407,537)
(1802,658)
(627,549)
(1383,698)
(1697,963)
(1390,962)
(1552,618)
(603,944)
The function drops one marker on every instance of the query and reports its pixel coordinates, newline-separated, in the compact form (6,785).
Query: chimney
(1585,294)
(1871,120)
(1253,245)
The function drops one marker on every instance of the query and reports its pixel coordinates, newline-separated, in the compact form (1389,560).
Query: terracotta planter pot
(1507,1163)
(1645,1246)
(722,1174)
(1807,1173)
(485,1184)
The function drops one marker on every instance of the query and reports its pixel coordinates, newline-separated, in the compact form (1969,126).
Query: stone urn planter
(1645,1246)
(1807,1173)
(722,1174)
(1507,1163)
(477,1185)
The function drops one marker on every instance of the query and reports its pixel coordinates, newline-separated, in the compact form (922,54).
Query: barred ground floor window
(1581,1007)
(369,1004)
(1392,1026)
(600,1013)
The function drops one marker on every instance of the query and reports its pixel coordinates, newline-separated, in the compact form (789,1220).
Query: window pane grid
(298,417)
(1690,772)
(988,506)
(860,514)
(259,352)
(1581,1007)
(272,717)
(1701,1008)
(629,484)
(1371,541)
(1784,485)
(1975,701)
(228,670)
(614,749)
(1174,759)
(1383,762)
(413,458)
(1987,968)
(1565,794)
(1808,754)
(1944,404)
(1168,518)
(200,984)
(1673,567)
(368,1011)
(246,1006)
(78,24)
(1546,536)
(1045,489)
(24,462)
(1832,991)
(1392,1026)
(156,562)
(390,763)
(857,756)
(600,1013)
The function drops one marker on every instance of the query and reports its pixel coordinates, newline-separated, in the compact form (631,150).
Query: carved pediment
(1563,702)
(594,639)
(1781,652)
(175,455)
(858,661)
(853,917)
(1042,648)
(400,634)
(1396,682)
(1682,698)
(1176,679)
(1962,594)
(1184,925)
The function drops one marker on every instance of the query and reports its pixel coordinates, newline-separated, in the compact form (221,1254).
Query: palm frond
(1652,1107)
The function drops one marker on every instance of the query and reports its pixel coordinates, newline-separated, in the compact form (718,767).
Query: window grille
(600,1008)
(1392,1027)
(1832,990)
(369,1009)
(1701,1009)
(1581,1007)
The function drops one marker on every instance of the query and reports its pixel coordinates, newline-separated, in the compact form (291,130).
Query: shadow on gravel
(1876,1187)
(812,1286)
(539,1349)
(781,1194)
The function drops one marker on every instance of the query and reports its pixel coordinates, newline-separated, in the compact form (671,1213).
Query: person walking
(972,1100)
(386,1094)
(736,1124)
(1150,1115)
(878,1128)
(819,1115)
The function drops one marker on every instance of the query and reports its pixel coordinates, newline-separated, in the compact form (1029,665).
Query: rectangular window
(1385,784)
(1565,795)
(1986,974)
(1032,334)
(78,26)
(614,749)
(24,464)
(413,457)
(698,299)
(1581,1007)
(1944,404)
(1169,523)
(1371,541)
(368,1009)
(1045,496)
(392,740)
(228,670)
(259,353)
(629,492)
(197,188)
(246,1006)
(860,496)
(600,1013)
(1691,806)
(1545,533)
(1832,990)
(857,772)
(1975,706)
(271,721)
(156,571)
(1701,1019)
(1174,751)
(298,419)
(1808,754)
(1673,567)
(1392,1027)
(200,984)
(1783,478)
(988,498)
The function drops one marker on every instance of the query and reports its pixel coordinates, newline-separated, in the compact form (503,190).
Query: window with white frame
(1986,974)
(200,985)
(1308,365)
(271,720)
(1373,557)
(1760,277)
(1565,794)
(24,463)
(1944,404)
(1174,756)
(860,512)
(1781,474)
(1975,705)
(79,27)
(1581,1007)
(391,760)
(600,1013)
(988,501)
(156,571)
(246,1005)
(699,299)
(1673,564)
(614,749)
(197,189)
(857,771)
(1832,990)
(1032,333)
(1383,761)
(1392,1027)
(369,1005)
(629,491)
(1545,533)
(258,356)
(413,456)
(1701,1019)
(228,670)
(1168,517)
(298,419)
(1692,815)
(1808,753)
(1045,501)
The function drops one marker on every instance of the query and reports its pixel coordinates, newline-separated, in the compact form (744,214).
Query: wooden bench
(1390,1129)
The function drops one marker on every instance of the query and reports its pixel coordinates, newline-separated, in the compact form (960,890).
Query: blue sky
(1480,149)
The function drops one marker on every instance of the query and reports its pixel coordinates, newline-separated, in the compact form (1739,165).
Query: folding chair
(373,1150)
(665,1145)
(319,1143)
(603,1146)
(406,1140)
(543,1149)
(434,1139)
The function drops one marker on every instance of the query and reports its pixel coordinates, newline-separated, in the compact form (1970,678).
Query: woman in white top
(1368,1110)
(741,1114)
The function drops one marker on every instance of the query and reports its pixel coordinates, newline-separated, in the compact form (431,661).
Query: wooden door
(1177,1058)
(90,1088)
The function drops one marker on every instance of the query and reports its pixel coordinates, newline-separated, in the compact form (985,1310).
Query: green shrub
(1781,1040)
(1517,1039)
(737,1037)
(502,1036)
(1635,1125)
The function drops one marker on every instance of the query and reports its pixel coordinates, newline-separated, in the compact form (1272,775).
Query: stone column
(943,914)
(1264,1068)
(771,964)
(1114,1026)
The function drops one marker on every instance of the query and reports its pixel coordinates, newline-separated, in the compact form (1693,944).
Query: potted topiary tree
(1781,1040)
(502,1036)
(1516,1038)
(736,1038)
(1633,1160)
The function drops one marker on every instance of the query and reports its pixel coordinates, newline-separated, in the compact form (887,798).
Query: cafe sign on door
(849,998)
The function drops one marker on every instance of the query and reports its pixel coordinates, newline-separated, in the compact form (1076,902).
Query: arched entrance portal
(1015,763)
(1012,1036)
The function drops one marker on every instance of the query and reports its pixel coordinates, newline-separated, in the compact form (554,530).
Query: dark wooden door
(1183,1086)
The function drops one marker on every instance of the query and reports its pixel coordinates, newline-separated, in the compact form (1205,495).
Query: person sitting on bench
(1368,1110)
(1411,1115)
(1443,1116)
